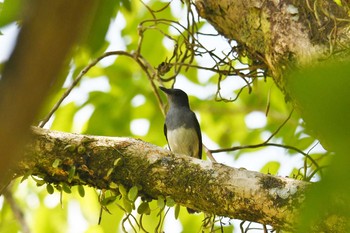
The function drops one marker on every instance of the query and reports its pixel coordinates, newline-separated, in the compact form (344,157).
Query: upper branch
(284,33)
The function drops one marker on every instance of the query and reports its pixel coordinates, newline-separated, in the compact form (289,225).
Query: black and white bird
(181,127)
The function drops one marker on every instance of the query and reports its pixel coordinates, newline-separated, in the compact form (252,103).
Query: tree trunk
(106,162)
(49,31)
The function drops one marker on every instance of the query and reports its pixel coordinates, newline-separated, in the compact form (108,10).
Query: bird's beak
(165,90)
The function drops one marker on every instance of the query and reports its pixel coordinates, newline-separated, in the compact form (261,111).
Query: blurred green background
(117,98)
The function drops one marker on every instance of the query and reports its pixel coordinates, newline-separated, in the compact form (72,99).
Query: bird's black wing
(199,134)
(166,137)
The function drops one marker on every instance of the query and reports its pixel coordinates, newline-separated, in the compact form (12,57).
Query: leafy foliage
(323,99)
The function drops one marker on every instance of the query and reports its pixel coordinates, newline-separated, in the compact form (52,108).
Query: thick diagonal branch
(210,187)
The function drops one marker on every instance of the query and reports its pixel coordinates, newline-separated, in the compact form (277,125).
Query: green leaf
(81,149)
(144,208)
(71,173)
(81,190)
(170,202)
(295,174)
(128,206)
(108,200)
(56,163)
(161,202)
(105,114)
(271,168)
(66,188)
(64,117)
(117,161)
(70,147)
(106,10)
(323,106)
(338,2)
(132,194)
(38,181)
(10,11)
(58,187)
(177,211)
(113,185)
(122,190)
(50,189)
(305,142)
(126,4)
(26,175)
(109,172)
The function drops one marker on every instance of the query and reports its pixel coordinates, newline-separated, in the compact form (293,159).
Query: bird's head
(176,97)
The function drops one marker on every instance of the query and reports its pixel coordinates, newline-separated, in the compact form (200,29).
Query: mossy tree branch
(210,187)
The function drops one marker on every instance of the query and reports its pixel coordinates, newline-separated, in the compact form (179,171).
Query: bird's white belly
(183,141)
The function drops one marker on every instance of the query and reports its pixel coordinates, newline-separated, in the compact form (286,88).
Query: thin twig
(267,143)
(209,154)
(77,80)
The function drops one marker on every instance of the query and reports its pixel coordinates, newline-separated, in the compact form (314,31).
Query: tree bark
(210,187)
(282,34)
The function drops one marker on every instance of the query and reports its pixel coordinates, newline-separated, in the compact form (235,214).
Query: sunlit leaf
(113,185)
(271,167)
(10,11)
(128,206)
(161,202)
(116,162)
(64,117)
(122,190)
(109,172)
(132,194)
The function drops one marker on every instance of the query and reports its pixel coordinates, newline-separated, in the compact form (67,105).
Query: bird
(181,128)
